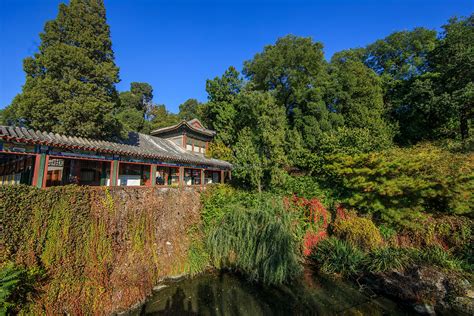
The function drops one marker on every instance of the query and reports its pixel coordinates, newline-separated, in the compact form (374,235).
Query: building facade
(171,156)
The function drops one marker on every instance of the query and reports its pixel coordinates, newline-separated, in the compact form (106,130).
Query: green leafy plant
(16,284)
(198,258)
(10,277)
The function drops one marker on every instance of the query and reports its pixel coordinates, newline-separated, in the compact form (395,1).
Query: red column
(185,140)
(36,168)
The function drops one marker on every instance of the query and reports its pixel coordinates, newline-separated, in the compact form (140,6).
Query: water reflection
(227,294)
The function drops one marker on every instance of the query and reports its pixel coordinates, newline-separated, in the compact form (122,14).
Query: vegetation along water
(359,168)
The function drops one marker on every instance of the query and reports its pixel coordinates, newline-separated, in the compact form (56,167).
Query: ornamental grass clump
(257,241)
(335,256)
(386,259)
(436,256)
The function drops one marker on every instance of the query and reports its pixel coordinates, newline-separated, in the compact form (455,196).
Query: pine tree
(70,82)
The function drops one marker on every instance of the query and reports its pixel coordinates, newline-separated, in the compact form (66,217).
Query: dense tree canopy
(161,117)
(135,106)
(356,93)
(219,113)
(289,107)
(191,109)
(453,59)
(70,82)
(295,71)
(405,88)
(401,55)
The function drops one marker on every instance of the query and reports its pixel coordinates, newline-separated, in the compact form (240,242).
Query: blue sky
(176,45)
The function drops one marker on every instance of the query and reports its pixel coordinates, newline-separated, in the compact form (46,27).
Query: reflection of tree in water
(225,294)
(177,304)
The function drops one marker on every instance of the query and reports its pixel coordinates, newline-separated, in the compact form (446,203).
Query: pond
(228,294)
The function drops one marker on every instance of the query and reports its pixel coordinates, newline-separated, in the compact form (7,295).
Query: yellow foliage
(359,231)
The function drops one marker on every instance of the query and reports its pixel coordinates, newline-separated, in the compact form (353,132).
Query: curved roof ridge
(187,124)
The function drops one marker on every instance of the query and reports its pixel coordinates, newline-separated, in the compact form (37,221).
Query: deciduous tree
(453,59)
(356,93)
(294,70)
(219,113)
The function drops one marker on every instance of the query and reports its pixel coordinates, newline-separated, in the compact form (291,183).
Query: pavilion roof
(193,124)
(136,145)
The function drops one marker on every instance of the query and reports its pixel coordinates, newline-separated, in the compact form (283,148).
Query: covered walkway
(46,159)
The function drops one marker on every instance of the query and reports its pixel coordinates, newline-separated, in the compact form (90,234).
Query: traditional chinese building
(170,156)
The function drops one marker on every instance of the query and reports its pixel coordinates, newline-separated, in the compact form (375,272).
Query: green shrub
(451,232)
(306,187)
(16,287)
(387,258)
(466,254)
(398,184)
(388,233)
(333,255)
(257,241)
(214,200)
(358,231)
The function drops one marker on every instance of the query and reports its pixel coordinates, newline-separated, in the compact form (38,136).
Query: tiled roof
(137,145)
(189,124)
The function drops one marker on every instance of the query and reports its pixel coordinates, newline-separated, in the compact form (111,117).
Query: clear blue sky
(176,45)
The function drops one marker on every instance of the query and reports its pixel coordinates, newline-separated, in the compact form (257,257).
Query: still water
(228,294)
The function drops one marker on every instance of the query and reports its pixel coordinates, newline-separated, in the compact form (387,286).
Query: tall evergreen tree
(70,82)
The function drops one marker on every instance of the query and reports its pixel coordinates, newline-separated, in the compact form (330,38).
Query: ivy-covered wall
(101,249)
